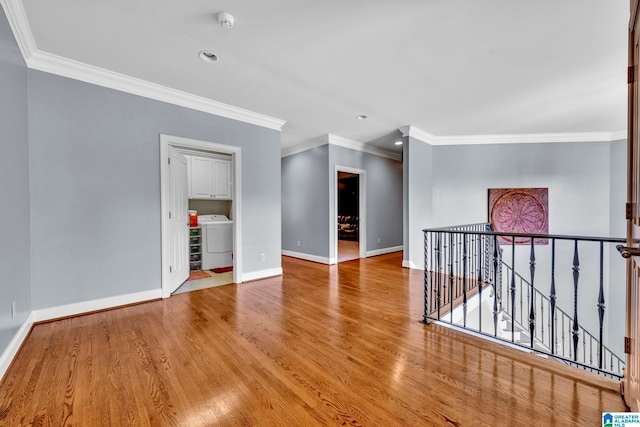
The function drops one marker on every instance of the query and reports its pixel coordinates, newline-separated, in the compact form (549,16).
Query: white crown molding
(360,146)
(417,133)
(65,67)
(619,134)
(341,142)
(307,145)
(531,138)
(17,17)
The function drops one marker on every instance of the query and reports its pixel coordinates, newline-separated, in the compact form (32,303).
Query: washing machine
(217,241)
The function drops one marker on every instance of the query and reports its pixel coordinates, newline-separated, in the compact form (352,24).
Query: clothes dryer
(217,241)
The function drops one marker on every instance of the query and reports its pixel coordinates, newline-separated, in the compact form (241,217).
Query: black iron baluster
(464,280)
(576,275)
(513,289)
(479,239)
(457,266)
(532,310)
(541,318)
(495,290)
(439,271)
(552,295)
(425,317)
(564,341)
(451,282)
(601,304)
(500,277)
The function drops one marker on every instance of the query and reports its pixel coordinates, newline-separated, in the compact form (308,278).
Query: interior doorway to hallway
(348,231)
(348,216)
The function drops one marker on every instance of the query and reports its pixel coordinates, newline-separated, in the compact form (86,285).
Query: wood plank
(322,345)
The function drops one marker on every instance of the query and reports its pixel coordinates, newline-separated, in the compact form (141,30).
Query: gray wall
(587,191)
(305,202)
(383,194)
(15,266)
(95,188)
(308,198)
(418,178)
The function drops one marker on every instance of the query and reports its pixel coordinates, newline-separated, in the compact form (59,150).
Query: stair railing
(555,338)
(469,283)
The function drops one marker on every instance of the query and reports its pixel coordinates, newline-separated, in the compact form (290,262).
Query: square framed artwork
(519,210)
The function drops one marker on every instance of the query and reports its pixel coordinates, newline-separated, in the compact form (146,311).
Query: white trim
(94,305)
(308,257)
(487,337)
(70,68)
(17,17)
(66,311)
(236,156)
(360,146)
(383,251)
(532,138)
(10,352)
(262,274)
(417,133)
(65,67)
(409,264)
(340,142)
(333,212)
(308,145)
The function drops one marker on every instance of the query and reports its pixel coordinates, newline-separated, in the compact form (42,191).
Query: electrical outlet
(298,243)
(378,240)
(261,257)
(13,309)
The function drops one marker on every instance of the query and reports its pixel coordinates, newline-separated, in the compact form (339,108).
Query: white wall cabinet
(209,178)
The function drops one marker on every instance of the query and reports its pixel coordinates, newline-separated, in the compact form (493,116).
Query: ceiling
(448,67)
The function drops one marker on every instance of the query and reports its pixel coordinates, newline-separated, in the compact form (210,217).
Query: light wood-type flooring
(348,250)
(321,345)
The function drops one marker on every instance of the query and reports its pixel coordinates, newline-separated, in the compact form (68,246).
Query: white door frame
(362,212)
(235,152)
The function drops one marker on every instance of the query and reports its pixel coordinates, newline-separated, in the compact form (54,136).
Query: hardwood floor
(322,345)
(348,250)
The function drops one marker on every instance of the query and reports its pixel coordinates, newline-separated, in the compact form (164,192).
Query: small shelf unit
(195,248)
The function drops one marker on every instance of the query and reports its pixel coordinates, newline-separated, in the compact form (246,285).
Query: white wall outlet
(378,240)
(261,257)
(13,309)
(298,243)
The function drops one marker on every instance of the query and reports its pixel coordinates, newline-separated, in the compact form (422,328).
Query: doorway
(170,234)
(348,216)
(348,231)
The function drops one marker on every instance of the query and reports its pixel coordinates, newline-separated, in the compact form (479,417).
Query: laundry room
(210,209)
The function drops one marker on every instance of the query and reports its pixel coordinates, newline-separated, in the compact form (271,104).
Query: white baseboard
(308,257)
(384,251)
(408,264)
(261,274)
(94,305)
(14,345)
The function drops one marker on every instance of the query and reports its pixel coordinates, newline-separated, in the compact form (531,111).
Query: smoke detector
(225,19)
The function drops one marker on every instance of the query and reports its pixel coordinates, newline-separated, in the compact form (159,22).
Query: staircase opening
(546,293)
